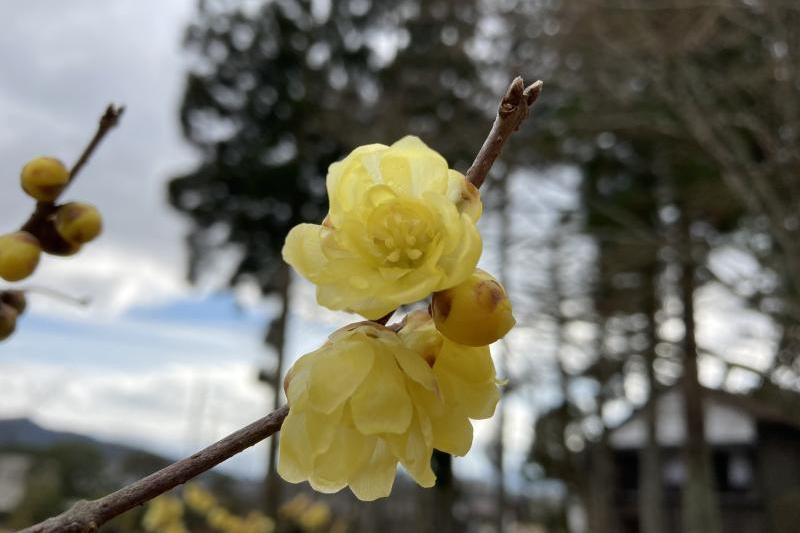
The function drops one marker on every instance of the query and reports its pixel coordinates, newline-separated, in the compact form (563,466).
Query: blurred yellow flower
(466,384)
(351,415)
(164,515)
(400,225)
(295,507)
(198,498)
(317,515)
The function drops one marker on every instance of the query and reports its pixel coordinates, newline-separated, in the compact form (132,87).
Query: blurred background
(645,222)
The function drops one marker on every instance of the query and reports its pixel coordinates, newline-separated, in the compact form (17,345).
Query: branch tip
(533,91)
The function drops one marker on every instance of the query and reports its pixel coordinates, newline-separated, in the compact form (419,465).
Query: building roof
(730,418)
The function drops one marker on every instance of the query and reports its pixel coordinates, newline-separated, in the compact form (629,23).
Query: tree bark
(699,499)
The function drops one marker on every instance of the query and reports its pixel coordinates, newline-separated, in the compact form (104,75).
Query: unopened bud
(475,313)
(44,178)
(19,255)
(78,223)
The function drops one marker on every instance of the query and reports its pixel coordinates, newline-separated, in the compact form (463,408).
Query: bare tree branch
(88,516)
(514,108)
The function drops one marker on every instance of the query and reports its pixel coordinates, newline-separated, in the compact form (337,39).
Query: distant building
(755,447)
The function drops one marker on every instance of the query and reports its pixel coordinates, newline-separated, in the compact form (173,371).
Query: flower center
(401,232)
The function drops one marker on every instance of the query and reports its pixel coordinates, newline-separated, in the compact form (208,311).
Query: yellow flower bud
(8,321)
(476,312)
(401,225)
(44,178)
(15,299)
(78,222)
(19,255)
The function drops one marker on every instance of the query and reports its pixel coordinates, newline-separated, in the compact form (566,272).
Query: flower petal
(348,453)
(452,433)
(295,457)
(337,373)
(382,404)
(303,250)
(415,367)
(375,479)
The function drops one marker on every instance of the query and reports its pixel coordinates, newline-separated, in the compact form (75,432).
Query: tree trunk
(444,494)
(651,488)
(602,516)
(277,338)
(699,499)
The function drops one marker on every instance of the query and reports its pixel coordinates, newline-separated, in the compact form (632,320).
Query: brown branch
(108,121)
(514,108)
(88,516)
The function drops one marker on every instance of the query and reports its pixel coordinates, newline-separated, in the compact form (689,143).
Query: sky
(151,361)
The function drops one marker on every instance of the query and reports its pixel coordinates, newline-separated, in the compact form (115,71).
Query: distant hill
(121,464)
(24,433)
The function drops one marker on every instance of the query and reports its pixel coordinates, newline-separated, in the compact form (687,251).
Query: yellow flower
(164,514)
(400,225)
(257,522)
(466,384)
(317,515)
(198,498)
(351,416)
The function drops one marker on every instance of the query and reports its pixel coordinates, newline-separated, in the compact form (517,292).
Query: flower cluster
(401,227)
(61,231)
(54,229)
(167,514)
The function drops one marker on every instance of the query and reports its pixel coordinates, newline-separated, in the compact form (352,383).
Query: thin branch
(514,108)
(108,121)
(88,516)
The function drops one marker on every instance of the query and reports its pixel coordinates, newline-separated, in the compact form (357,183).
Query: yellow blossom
(198,498)
(295,507)
(466,384)
(164,514)
(351,416)
(400,225)
(317,515)
(257,522)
